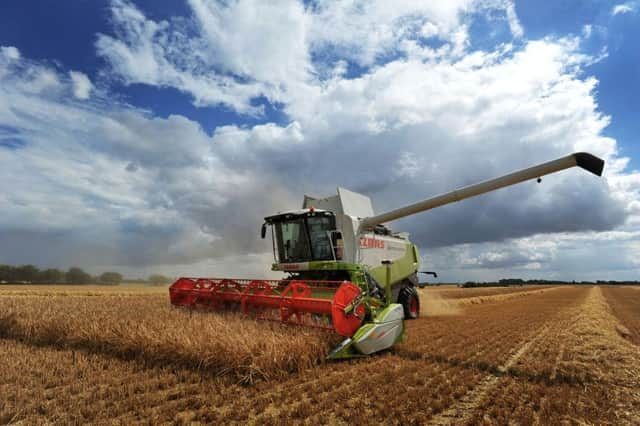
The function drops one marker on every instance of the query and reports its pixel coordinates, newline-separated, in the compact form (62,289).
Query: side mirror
(263,231)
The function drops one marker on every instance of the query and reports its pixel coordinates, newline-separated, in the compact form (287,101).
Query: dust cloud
(433,304)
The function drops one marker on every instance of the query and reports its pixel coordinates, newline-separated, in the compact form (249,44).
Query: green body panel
(375,309)
(362,330)
(380,316)
(400,269)
(355,271)
(345,350)
(331,265)
(317,265)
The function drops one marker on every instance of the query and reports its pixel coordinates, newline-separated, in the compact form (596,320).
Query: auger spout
(584,160)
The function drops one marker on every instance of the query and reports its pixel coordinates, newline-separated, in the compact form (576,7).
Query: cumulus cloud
(104,184)
(514,22)
(81,85)
(364,30)
(10,52)
(424,113)
(560,256)
(623,8)
(230,54)
(264,41)
(156,53)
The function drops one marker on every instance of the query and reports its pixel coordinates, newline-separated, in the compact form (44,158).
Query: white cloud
(555,256)
(10,52)
(231,54)
(514,22)
(483,88)
(364,30)
(102,184)
(81,85)
(154,53)
(264,41)
(623,8)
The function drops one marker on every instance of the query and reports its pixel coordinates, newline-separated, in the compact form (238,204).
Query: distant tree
(110,278)
(76,275)
(511,281)
(159,279)
(51,276)
(26,273)
(6,273)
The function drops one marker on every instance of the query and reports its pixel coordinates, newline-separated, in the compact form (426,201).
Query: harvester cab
(324,241)
(346,271)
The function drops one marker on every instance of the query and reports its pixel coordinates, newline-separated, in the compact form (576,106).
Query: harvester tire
(410,301)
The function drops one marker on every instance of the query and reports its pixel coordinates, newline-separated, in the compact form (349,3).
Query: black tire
(410,301)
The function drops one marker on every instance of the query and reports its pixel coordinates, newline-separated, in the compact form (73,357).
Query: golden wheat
(148,329)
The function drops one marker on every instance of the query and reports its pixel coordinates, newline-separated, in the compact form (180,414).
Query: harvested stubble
(625,304)
(548,357)
(579,369)
(147,329)
(437,302)
(454,293)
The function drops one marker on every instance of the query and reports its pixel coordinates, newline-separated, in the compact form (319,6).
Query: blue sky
(239,96)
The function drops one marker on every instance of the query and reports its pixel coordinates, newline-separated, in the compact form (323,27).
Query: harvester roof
(291,214)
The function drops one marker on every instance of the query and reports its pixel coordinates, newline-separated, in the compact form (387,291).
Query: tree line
(506,282)
(74,275)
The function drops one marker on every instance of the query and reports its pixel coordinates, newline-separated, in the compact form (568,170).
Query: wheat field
(531,355)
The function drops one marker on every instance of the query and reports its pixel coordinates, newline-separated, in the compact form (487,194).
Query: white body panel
(349,208)
(348,226)
(373,249)
(331,204)
(355,205)
(386,330)
(346,202)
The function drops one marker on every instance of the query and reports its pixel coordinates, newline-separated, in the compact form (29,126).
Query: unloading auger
(347,272)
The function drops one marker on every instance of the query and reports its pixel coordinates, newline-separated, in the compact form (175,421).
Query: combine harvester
(347,272)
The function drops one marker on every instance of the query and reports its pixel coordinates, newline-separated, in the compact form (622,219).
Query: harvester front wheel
(410,301)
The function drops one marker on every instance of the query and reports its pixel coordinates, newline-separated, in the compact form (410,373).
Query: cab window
(319,234)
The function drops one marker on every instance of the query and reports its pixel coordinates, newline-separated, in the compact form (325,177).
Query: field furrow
(625,305)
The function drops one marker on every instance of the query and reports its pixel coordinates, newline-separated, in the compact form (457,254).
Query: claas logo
(366,242)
